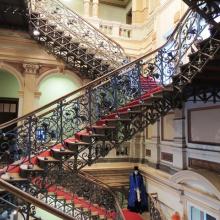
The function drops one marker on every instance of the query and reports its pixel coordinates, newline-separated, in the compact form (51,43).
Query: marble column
(20,103)
(37,96)
(155,144)
(86,4)
(30,71)
(179,139)
(137,15)
(95,8)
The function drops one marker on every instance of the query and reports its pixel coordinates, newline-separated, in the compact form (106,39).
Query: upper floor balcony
(139,26)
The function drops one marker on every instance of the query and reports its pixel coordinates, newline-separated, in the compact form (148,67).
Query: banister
(32,200)
(94,82)
(100,183)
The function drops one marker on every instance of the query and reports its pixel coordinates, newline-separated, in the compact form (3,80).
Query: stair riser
(62,154)
(44,164)
(91,139)
(27,173)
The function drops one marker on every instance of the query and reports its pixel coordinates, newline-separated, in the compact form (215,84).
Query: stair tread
(11,177)
(129,112)
(92,135)
(103,127)
(64,150)
(117,119)
(34,167)
(140,105)
(77,142)
(48,158)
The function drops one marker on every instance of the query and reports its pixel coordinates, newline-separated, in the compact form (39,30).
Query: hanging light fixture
(36,32)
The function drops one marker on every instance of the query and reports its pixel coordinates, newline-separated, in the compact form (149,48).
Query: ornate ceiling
(118,3)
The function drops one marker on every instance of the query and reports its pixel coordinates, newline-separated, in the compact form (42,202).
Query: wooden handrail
(32,200)
(100,183)
(90,84)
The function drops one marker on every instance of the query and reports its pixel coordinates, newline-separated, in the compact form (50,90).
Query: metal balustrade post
(115,93)
(90,106)
(61,120)
(29,139)
(140,70)
(161,75)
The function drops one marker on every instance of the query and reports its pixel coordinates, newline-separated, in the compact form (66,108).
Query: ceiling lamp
(36,32)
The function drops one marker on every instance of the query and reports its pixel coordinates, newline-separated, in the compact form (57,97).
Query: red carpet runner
(15,168)
(131,215)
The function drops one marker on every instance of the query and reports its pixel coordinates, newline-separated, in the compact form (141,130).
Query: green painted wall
(55,86)
(45,215)
(112,13)
(9,86)
(106,12)
(75,5)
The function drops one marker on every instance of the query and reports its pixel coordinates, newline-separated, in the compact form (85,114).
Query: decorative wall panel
(203,125)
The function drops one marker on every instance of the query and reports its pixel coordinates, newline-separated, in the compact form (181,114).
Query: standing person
(137,198)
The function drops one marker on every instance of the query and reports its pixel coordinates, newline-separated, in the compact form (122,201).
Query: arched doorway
(57,85)
(9,87)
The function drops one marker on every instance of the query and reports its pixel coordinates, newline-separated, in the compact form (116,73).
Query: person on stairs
(137,198)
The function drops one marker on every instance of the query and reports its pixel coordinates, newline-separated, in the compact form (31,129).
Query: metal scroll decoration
(53,125)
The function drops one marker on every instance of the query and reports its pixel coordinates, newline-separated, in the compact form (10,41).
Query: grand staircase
(47,149)
(71,38)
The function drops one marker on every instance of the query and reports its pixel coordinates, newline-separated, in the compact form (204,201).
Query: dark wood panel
(167,156)
(8,111)
(148,153)
(204,164)
(189,125)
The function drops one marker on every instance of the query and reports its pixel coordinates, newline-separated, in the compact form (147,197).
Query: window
(197,214)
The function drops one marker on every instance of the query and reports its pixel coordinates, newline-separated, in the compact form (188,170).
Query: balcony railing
(76,27)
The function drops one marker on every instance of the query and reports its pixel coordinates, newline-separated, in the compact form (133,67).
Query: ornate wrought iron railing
(64,117)
(155,209)
(109,198)
(18,203)
(83,186)
(67,35)
(36,193)
(210,10)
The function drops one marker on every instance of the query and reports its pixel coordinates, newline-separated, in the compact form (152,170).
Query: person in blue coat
(137,198)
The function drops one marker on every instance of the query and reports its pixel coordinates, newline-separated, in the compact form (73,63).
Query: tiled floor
(146,216)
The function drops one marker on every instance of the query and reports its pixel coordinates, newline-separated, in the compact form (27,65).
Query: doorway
(8,111)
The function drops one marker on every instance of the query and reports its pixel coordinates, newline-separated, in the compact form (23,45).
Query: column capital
(30,68)
(37,94)
(95,8)
(21,94)
(86,5)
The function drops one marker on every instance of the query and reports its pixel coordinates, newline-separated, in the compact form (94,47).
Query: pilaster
(153,144)
(30,73)
(179,139)
(86,5)
(21,102)
(95,8)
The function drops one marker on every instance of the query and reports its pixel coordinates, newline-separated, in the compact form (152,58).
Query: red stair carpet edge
(131,215)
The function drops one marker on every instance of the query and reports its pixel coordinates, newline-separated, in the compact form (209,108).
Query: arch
(69,73)
(57,84)
(15,73)
(202,178)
